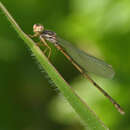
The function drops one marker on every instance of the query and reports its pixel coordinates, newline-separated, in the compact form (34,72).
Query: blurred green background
(29,100)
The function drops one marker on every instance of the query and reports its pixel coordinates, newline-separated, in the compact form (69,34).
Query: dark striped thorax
(49,36)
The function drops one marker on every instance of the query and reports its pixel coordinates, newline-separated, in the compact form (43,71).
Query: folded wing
(87,62)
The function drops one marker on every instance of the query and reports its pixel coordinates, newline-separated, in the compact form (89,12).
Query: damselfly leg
(43,43)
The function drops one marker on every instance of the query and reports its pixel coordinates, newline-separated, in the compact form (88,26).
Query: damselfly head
(38,28)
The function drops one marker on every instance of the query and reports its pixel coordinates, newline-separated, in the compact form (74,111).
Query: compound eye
(38,28)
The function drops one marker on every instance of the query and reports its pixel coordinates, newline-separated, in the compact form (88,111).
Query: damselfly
(82,61)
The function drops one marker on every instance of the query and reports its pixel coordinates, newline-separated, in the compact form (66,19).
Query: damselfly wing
(87,62)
